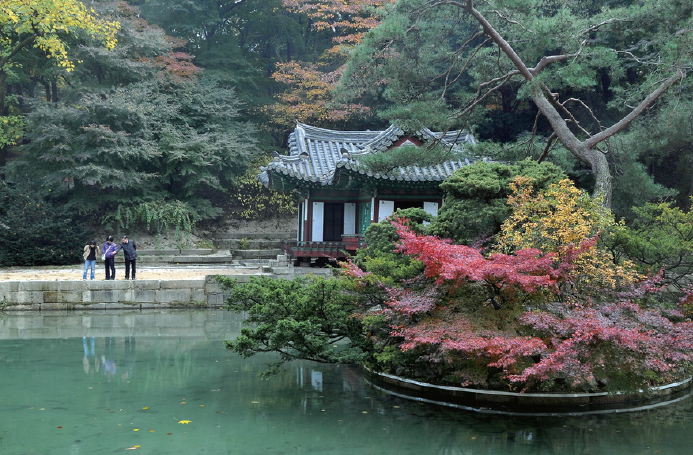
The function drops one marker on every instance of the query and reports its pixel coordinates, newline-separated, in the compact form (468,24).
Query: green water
(149,371)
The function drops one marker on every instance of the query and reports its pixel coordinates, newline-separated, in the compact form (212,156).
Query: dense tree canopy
(557,55)
(166,102)
(42,25)
(137,124)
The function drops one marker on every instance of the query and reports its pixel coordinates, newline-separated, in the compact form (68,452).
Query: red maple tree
(473,318)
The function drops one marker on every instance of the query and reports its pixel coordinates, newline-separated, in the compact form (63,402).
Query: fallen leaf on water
(185,421)
(169,434)
(133,447)
(146,407)
(135,429)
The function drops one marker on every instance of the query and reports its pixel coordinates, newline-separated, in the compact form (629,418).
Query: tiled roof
(318,155)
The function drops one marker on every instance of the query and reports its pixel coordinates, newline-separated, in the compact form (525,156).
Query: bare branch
(501,78)
(534,132)
(632,115)
(587,108)
(546,61)
(455,59)
(596,27)
(549,145)
(479,98)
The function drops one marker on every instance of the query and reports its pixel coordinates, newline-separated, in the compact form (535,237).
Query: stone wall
(80,294)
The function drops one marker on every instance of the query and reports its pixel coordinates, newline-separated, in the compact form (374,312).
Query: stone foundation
(537,404)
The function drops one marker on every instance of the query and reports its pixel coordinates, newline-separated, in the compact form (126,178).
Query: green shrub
(34,230)
(156,216)
(661,236)
(476,198)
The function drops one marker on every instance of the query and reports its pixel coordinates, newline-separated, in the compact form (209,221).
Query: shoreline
(530,404)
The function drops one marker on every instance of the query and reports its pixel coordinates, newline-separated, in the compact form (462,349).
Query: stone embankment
(202,291)
(534,404)
(79,294)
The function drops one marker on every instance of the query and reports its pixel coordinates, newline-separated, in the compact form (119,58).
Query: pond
(161,382)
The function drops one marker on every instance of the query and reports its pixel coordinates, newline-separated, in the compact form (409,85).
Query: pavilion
(339,197)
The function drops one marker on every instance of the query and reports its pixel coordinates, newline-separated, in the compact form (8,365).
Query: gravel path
(143,272)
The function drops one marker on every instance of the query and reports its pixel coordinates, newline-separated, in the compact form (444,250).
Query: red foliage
(527,270)
(582,345)
(620,337)
(178,64)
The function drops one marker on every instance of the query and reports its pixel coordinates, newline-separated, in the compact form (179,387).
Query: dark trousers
(110,268)
(128,263)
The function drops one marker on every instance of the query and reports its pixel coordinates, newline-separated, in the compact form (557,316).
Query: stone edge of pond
(115,294)
(534,404)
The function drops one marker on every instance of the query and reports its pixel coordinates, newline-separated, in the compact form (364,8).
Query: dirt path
(144,272)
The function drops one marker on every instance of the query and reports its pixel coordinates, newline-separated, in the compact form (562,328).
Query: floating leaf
(185,421)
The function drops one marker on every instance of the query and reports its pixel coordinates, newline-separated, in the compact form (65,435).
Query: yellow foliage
(41,22)
(559,218)
(257,202)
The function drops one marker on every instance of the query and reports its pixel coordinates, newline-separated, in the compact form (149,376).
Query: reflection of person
(129,248)
(109,366)
(107,362)
(110,248)
(89,352)
(91,251)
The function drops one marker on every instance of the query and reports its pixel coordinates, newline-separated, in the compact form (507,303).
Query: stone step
(173,252)
(288,235)
(238,244)
(188,259)
(257,254)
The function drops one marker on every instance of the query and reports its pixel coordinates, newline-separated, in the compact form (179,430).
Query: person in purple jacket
(110,248)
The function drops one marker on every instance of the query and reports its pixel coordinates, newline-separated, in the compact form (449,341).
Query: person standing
(110,248)
(129,248)
(91,251)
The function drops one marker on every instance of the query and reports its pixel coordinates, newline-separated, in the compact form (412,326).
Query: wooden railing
(299,248)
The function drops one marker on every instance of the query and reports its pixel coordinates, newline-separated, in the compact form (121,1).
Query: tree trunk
(582,150)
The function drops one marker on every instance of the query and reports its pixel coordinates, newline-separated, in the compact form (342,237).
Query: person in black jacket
(129,248)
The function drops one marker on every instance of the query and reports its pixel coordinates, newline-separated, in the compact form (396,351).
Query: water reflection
(94,383)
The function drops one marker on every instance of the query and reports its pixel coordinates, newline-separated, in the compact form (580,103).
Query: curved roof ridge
(318,155)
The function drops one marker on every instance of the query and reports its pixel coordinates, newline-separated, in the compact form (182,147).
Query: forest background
(156,114)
